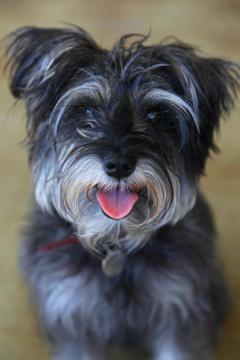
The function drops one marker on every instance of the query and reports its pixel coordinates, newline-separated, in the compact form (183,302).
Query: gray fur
(159,107)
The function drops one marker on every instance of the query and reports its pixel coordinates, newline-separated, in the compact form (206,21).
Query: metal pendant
(113,263)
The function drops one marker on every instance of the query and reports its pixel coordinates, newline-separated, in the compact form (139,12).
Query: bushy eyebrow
(93,91)
(157,96)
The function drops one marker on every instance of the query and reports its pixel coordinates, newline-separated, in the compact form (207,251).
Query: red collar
(58,244)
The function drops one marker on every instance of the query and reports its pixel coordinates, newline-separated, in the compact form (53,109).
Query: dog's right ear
(42,60)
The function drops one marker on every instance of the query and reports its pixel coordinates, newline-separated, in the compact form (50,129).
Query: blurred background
(213,26)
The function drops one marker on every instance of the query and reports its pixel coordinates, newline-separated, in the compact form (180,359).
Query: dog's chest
(102,307)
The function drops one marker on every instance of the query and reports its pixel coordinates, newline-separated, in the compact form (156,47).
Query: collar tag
(113,262)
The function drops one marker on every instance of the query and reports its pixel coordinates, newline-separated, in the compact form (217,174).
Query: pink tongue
(117,204)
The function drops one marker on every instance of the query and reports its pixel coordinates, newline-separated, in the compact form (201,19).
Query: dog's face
(120,136)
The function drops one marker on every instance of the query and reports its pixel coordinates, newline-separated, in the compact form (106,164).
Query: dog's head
(117,136)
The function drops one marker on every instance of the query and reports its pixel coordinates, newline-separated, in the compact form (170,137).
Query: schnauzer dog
(120,248)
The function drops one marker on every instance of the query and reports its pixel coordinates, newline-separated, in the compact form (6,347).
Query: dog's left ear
(216,86)
(217,82)
(209,85)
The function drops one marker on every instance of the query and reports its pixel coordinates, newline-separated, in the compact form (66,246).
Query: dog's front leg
(170,349)
(68,351)
(75,351)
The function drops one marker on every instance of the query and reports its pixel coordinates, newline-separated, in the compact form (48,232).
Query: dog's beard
(69,184)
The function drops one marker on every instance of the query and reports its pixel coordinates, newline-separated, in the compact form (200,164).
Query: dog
(119,250)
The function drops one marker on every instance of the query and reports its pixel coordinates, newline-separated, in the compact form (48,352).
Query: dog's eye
(89,112)
(152,116)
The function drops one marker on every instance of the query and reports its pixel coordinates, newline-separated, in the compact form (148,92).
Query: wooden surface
(214,26)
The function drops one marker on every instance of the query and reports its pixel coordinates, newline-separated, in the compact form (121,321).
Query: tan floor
(212,25)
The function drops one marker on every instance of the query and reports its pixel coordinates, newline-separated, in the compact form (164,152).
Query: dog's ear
(42,60)
(216,85)
(209,85)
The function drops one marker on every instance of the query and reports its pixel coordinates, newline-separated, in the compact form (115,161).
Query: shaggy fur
(155,108)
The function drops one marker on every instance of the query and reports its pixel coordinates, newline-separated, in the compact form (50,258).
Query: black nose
(119,166)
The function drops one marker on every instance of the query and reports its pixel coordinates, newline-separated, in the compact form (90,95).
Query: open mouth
(117,203)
